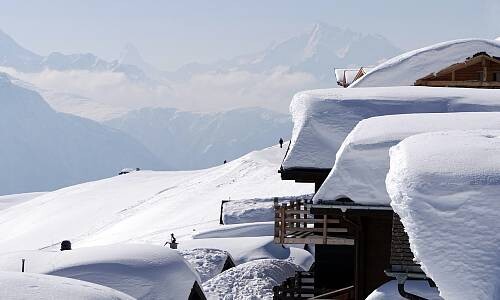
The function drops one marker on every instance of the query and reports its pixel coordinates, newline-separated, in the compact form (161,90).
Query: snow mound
(143,206)
(245,249)
(362,161)
(323,118)
(406,68)
(142,271)
(389,291)
(445,188)
(25,286)
(207,262)
(250,281)
(253,210)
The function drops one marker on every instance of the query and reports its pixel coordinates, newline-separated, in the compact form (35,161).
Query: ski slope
(144,206)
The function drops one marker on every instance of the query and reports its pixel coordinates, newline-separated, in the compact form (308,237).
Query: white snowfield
(362,161)
(323,118)
(27,286)
(405,69)
(445,188)
(141,271)
(142,206)
(14,199)
(250,281)
(389,291)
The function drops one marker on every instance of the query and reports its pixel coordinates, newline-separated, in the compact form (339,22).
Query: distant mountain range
(148,108)
(187,140)
(15,56)
(316,51)
(44,150)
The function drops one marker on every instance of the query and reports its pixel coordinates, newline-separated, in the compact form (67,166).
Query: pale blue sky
(171,33)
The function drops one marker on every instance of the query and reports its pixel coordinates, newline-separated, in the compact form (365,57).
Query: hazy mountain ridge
(316,51)
(187,140)
(44,150)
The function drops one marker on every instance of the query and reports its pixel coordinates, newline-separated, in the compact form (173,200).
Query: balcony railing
(295,224)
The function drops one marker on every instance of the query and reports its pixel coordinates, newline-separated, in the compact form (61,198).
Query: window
(481,76)
(496,76)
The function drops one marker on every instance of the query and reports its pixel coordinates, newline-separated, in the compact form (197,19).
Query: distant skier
(281,143)
(225,161)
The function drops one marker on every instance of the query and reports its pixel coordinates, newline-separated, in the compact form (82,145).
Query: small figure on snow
(225,161)
(281,143)
(173,242)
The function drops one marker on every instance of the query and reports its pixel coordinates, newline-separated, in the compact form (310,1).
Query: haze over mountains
(149,109)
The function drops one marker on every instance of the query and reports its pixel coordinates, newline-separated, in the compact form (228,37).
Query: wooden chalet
(479,71)
(357,249)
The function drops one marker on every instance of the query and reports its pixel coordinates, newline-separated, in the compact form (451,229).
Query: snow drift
(207,262)
(323,118)
(445,188)
(27,286)
(362,161)
(142,271)
(405,69)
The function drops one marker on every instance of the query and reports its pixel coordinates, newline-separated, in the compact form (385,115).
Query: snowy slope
(323,118)
(44,150)
(406,68)
(362,161)
(141,271)
(188,140)
(445,188)
(143,206)
(27,286)
(11,200)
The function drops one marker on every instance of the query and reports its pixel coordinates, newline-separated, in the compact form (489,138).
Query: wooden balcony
(295,224)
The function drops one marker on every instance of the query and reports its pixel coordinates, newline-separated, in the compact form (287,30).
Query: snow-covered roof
(445,188)
(207,262)
(323,118)
(389,291)
(362,161)
(142,271)
(252,280)
(405,69)
(27,286)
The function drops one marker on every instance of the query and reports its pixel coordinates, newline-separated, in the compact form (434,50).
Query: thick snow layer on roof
(389,291)
(406,68)
(143,206)
(142,271)
(207,262)
(249,281)
(445,188)
(245,249)
(253,210)
(362,161)
(323,118)
(27,286)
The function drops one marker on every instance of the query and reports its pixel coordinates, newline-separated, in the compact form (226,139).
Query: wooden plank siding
(480,71)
